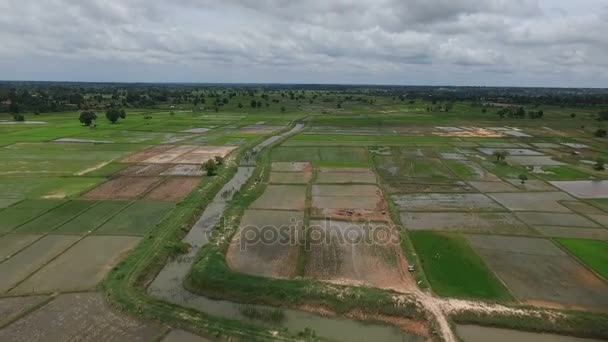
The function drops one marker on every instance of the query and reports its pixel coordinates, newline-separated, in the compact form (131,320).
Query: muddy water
(473,333)
(168,285)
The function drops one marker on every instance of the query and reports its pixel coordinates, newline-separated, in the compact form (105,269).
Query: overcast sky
(427,42)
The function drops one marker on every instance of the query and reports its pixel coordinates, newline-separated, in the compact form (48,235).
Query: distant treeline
(16,96)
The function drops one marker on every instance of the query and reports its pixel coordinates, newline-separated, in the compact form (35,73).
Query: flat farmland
(538,272)
(92,218)
(50,220)
(79,268)
(137,219)
(267,243)
(285,197)
(592,253)
(454,269)
(123,187)
(22,212)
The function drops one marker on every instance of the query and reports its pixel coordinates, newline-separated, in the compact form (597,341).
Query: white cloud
(380,41)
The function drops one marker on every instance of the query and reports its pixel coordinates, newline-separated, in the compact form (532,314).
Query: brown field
(193,158)
(79,317)
(144,170)
(173,189)
(533,201)
(147,153)
(349,202)
(345,253)
(162,158)
(290,177)
(540,273)
(494,186)
(184,170)
(122,187)
(20,265)
(490,222)
(267,243)
(79,268)
(13,243)
(260,129)
(445,202)
(286,197)
(12,307)
(346,175)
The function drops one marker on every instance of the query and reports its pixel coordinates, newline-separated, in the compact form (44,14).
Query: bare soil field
(400,185)
(445,202)
(260,129)
(286,197)
(12,307)
(192,170)
(20,265)
(494,222)
(144,170)
(349,202)
(173,189)
(343,253)
(267,243)
(345,176)
(291,166)
(601,219)
(555,219)
(122,188)
(583,208)
(533,201)
(511,151)
(78,317)
(182,336)
(569,232)
(79,268)
(13,243)
(540,273)
(162,158)
(473,333)
(193,158)
(290,177)
(215,150)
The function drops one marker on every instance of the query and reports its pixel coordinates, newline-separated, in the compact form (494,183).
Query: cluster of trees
(112,114)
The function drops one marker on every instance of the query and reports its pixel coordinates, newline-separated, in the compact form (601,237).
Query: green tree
(219,160)
(600,164)
(500,156)
(113,114)
(18,117)
(210,167)
(523,178)
(253,104)
(600,133)
(87,117)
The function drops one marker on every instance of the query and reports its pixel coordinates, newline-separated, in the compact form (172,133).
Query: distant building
(7,102)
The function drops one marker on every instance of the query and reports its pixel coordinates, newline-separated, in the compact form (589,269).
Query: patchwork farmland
(381,220)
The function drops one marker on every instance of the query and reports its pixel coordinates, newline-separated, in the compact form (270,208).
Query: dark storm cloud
(519,42)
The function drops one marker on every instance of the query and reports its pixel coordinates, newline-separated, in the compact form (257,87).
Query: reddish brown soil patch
(123,187)
(144,170)
(173,189)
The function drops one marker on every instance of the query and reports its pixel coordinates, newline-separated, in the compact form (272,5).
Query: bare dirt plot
(192,170)
(444,202)
(345,175)
(81,267)
(499,223)
(533,161)
(30,259)
(122,188)
(144,170)
(346,190)
(584,189)
(473,333)
(181,149)
(601,219)
(540,273)
(267,243)
(533,201)
(397,185)
(555,219)
(290,177)
(291,166)
(286,197)
(137,219)
(494,187)
(345,253)
(511,151)
(349,202)
(162,158)
(215,150)
(569,232)
(146,154)
(11,307)
(173,189)
(79,317)
(193,158)
(546,145)
(532,185)
(13,243)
